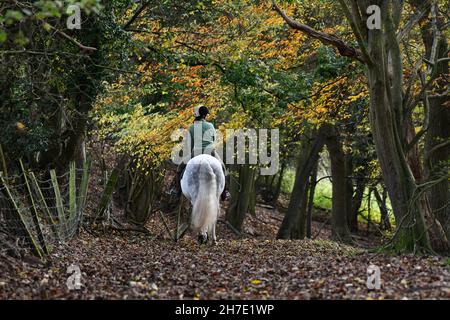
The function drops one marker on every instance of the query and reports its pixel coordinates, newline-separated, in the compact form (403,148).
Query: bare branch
(436,36)
(73,40)
(414,20)
(330,39)
(136,15)
(437,147)
(437,61)
(356,23)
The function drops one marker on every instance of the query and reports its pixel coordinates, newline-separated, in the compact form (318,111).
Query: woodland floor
(132,265)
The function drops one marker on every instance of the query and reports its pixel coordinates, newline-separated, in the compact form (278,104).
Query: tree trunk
(339,224)
(356,203)
(385,117)
(252,202)
(437,162)
(142,191)
(381,201)
(240,196)
(299,230)
(309,155)
(84,89)
(352,223)
(312,190)
(278,186)
(411,228)
(437,154)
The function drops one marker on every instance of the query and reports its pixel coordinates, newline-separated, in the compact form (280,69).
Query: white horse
(202,183)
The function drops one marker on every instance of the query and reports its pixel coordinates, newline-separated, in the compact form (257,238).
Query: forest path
(136,266)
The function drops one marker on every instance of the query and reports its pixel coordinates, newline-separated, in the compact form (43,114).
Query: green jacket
(202,134)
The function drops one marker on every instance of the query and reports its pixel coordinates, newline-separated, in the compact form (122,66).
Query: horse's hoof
(202,239)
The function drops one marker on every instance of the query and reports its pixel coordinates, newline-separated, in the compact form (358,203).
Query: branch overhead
(327,38)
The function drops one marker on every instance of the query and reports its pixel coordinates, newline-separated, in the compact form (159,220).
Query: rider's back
(203,135)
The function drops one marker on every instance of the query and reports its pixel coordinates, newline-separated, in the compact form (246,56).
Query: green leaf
(14,14)
(3,36)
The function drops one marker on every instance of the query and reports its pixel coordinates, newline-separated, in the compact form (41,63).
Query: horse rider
(202,139)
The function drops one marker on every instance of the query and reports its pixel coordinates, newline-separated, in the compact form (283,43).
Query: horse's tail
(206,206)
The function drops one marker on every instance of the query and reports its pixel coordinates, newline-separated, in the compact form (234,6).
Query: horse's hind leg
(213,227)
(214,239)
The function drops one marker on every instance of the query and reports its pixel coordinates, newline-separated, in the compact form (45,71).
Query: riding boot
(179,176)
(178,184)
